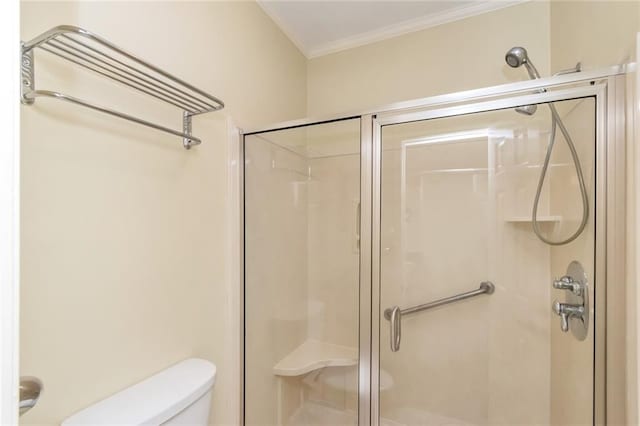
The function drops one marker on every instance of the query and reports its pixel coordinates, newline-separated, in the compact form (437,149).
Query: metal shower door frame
(610,213)
(608,92)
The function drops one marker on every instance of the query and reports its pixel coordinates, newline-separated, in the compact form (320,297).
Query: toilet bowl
(179,395)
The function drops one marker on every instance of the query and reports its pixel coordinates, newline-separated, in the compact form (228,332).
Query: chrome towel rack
(394,314)
(90,51)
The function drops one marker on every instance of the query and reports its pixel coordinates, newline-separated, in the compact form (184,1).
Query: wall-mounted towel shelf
(87,50)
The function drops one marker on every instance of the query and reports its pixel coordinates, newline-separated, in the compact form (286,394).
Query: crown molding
(283,27)
(391,31)
(410,26)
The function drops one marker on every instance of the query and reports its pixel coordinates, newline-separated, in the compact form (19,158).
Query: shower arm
(577,68)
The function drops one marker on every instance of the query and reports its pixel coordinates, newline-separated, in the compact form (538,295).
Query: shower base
(316,414)
(313,413)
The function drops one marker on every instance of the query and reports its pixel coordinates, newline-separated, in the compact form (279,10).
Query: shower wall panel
(423,259)
(519,324)
(333,260)
(333,250)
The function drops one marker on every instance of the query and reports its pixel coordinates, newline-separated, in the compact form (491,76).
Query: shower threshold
(312,413)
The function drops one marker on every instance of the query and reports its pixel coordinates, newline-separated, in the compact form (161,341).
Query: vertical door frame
(236,252)
(612,392)
(375,272)
(633,303)
(365,373)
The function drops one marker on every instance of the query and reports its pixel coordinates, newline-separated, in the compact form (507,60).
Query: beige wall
(461,55)
(596,33)
(124,233)
(469,53)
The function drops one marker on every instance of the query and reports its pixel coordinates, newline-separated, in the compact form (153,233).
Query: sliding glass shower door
(456,202)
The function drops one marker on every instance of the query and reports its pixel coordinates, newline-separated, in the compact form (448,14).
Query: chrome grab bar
(394,314)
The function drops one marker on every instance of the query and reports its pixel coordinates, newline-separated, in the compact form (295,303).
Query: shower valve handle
(567,311)
(567,283)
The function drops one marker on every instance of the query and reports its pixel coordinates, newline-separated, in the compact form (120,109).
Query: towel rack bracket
(186,129)
(27,81)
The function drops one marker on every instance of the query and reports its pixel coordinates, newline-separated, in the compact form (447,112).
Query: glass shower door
(456,205)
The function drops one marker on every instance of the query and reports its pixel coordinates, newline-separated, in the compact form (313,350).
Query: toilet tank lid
(153,400)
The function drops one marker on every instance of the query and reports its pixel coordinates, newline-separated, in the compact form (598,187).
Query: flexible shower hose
(556,121)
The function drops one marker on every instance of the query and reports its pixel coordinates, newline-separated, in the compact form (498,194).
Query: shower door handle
(394,314)
(395,322)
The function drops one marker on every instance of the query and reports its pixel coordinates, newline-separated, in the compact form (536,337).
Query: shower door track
(607,86)
(449,99)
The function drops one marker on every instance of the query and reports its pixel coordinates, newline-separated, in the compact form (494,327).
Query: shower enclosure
(392,275)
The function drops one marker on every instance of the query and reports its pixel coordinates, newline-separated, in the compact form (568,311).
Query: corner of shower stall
(453,307)
(302,209)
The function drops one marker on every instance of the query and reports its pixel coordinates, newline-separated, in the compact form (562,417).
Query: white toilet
(179,395)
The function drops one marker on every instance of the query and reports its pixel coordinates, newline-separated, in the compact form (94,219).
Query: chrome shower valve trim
(567,283)
(567,311)
(574,311)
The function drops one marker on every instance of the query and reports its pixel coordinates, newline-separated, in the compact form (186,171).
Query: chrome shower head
(518,56)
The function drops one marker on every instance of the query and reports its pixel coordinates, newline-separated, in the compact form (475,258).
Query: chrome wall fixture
(394,314)
(89,51)
(516,57)
(574,313)
(30,391)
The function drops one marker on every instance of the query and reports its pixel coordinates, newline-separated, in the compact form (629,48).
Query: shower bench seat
(313,355)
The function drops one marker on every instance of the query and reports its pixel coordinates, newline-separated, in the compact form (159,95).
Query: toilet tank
(179,395)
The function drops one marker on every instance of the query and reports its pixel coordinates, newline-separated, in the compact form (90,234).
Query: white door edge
(9,212)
